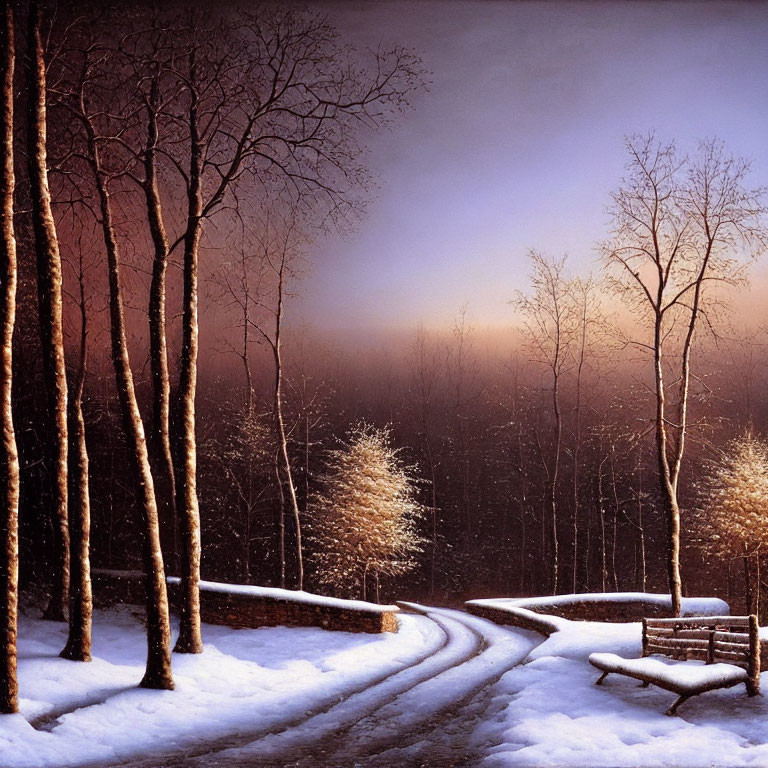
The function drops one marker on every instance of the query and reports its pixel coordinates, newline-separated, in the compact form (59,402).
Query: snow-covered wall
(241,605)
(609,606)
(247,606)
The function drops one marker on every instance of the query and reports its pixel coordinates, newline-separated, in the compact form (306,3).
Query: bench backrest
(730,639)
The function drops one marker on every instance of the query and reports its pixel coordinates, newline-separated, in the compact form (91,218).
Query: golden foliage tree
(364,519)
(731,520)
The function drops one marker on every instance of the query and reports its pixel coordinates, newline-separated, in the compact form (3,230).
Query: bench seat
(688,678)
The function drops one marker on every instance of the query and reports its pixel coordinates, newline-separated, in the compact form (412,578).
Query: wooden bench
(729,646)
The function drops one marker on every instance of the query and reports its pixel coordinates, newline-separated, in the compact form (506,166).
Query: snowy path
(446,690)
(265,697)
(399,720)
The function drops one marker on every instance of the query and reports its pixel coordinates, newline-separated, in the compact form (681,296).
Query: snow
(379,718)
(94,712)
(281,693)
(549,712)
(289,595)
(685,677)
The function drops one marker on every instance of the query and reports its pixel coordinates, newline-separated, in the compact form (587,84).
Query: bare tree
(589,325)
(280,248)
(272,96)
(462,367)
(9,458)
(78,646)
(425,370)
(149,55)
(679,227)
(243,456)
(76,96)
(49,278)
(550,329)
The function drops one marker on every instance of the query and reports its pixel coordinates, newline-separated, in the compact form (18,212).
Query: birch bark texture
(49,280)
(9,459)
(95,138)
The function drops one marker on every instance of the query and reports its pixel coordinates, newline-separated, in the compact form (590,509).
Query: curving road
(420,715)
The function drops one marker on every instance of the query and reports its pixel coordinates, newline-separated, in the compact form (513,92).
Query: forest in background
(471,408)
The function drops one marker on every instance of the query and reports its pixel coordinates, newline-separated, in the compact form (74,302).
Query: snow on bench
(702,654)
(692,677)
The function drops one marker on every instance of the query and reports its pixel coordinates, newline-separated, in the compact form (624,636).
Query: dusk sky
(519,142)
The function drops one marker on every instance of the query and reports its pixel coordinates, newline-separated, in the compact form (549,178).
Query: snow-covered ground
(245,679)
(443,691)
(548,712)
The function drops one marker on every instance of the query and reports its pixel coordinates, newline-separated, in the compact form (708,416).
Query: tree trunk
(668,485)
(280,520)
(749,592)
(523,502)
(50,310)
(577,447)
(757,586)
(190,637)
(158,670)
(158,346)
(9,459)
(246,339)
(433,515)
(553,485)
(616,510)
(601,507)
(78,647)
(276,348)
(640,527)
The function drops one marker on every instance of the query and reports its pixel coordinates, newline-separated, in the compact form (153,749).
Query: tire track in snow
(417,716)
(187,755)
(384,717)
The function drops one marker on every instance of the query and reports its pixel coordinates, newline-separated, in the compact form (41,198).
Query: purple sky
(520,141)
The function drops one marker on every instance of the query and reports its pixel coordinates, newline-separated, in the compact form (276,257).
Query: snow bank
(692,606)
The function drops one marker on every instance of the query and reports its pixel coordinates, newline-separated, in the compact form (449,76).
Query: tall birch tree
(9,458)
(49,279)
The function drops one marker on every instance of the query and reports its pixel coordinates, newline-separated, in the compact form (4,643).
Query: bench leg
(752,689)
(600,679)
(673,709)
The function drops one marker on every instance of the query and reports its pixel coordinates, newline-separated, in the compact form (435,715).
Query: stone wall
(118,587)
(596,610)
(616,607)
(248,610)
